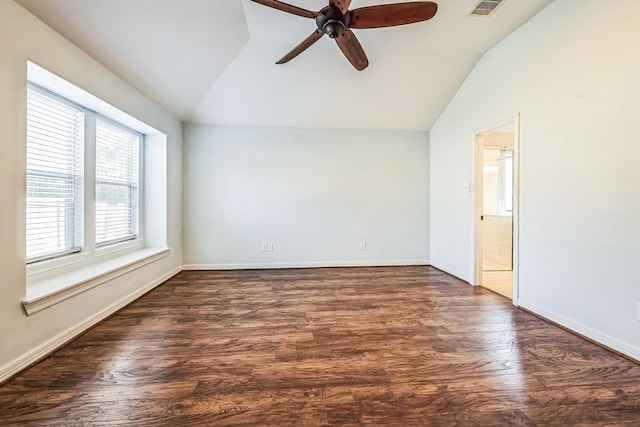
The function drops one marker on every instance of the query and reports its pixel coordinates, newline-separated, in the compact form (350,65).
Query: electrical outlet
(263,247)
(270,247)
(363,246)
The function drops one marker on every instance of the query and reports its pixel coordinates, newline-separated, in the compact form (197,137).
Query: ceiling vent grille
(486,7)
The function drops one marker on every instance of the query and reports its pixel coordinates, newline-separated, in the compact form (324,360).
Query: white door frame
(477,204)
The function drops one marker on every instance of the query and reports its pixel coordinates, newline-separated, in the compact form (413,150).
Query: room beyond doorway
(495,197)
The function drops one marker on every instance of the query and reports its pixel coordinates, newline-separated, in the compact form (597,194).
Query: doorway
(496,152)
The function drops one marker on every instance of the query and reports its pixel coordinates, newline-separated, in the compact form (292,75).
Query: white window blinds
(117,183)
(55,132)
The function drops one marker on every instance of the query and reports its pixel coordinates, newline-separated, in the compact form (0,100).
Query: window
(75,205)
(55,132)
(85,222)
(116,183)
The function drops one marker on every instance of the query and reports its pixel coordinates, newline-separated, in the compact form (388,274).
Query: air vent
(486,7)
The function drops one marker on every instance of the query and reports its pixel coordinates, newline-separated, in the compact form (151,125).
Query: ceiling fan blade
(287,8)
(350,46)
(343,5)
(304,45)
(389,15)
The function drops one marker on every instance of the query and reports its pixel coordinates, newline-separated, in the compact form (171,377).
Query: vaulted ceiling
(213,61)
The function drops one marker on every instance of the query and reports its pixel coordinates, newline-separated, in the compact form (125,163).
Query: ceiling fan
(336,21)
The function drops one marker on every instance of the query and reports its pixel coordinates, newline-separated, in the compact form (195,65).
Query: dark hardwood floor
(397,346)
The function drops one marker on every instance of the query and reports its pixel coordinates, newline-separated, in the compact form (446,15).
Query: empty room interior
(432,223)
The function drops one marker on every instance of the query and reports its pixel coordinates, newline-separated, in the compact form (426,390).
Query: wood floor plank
(392,346)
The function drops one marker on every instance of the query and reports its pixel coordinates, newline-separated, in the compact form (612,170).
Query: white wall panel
(572,74)
(314,194)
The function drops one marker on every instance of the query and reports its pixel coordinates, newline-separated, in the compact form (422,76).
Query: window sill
(51,265)
(114,249)
(48,292)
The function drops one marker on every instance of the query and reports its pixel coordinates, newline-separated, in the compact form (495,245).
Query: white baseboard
(308,264)
(445,270)
(54,343)
(610,342)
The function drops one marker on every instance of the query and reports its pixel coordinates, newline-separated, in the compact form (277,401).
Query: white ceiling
(213,61)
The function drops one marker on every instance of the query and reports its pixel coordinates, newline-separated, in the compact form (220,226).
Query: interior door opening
(496,197)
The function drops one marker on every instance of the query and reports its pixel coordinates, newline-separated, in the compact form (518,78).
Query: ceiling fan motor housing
(332,22)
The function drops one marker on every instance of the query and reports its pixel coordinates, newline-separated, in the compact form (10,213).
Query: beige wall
(497,139)
(497,243)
